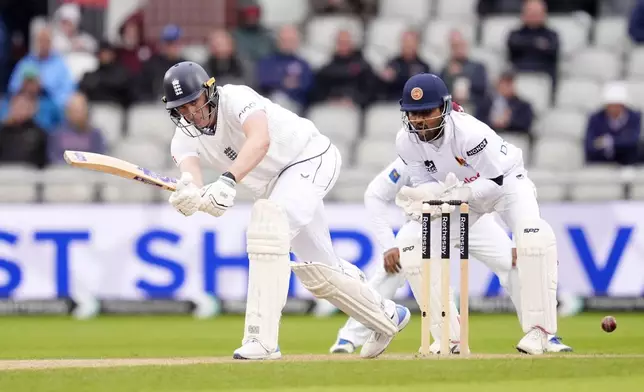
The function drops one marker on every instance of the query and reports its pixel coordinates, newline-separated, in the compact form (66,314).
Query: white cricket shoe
(378,342)
(253,349)
(534,342)
(342,346)
(435,348)
(555,345)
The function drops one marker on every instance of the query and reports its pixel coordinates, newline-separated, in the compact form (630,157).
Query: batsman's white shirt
(300,168)
(472,150)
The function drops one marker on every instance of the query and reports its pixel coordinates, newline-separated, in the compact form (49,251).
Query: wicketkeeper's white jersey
(468,148)
(292,137)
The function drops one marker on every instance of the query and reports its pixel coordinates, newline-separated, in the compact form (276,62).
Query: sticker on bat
(150,173)
(146,181)
(80,156)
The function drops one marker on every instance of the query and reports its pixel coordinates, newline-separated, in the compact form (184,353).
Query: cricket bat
(118,167)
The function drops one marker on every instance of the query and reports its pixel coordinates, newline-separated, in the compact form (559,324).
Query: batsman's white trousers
(489,243)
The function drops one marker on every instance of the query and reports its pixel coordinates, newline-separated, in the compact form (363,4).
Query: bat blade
(118,167)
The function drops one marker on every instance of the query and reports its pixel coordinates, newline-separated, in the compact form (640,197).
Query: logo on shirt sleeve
(246,108)
(394,176)
(477,149)
(430,166)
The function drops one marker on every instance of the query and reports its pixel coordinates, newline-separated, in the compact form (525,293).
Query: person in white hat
(613,132)
(67,37)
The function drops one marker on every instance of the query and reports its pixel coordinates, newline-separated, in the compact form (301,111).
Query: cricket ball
(609,324)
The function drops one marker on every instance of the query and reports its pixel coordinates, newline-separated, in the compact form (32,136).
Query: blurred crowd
(44,108)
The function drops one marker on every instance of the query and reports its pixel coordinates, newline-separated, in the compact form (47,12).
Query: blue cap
(424,91)
(171,32)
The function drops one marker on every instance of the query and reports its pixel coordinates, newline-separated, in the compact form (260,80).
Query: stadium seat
(456,9)
(436,35)
(317,58)
(383,37)
(578,94)
(321,31)
(383,121)
(635,67)
(150,121)
(551,186)
(340,123)
(612,34)
(375,155)
(521,141)
(594,63)
(352,184)
(66,184)
(197,53)
(121,190)
(142,152)
(562,123)
(636,93)
(495,31)
(413,11)
(494,64)
(108,118)
(18,183)
(282,12)
(80,63)
(573,33)
(557,154)
(597,183)
(536,89)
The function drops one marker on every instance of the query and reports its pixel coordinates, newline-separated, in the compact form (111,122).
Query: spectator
(253,40)
(364,8)
(76,133)
(504,110)
(285,73)
(55,78)
(110,82)
(133,51)
(22,141)
(47,115)
(466,79)
(4,55)
(347,78)
(223,61)
(614,131)
(636,23)
(401,68)
(151,76)
(534,47)
(66,36)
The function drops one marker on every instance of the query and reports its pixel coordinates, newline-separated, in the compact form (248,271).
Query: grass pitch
(182,354)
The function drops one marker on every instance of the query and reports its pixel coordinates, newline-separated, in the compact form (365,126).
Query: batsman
(436,141)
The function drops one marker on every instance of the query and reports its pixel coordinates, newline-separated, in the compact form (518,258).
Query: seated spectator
(253,41)
(614,131)
(466,79)
(401,68)
(76,133)
(55,77)
(66,36)
(110,82)
(347,78)
(636,23)
(534,47)
(4,55)
(223,62)
(22,141)
(285,73)
(47,115)
(504,110)
(151,76)
(363,8)
(133,51)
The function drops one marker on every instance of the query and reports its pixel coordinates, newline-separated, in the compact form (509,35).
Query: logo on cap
(177,87)
(416,93)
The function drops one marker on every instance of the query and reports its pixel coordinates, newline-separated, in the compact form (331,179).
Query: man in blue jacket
(613,132)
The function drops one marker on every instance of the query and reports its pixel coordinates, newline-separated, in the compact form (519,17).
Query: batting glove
(186,198)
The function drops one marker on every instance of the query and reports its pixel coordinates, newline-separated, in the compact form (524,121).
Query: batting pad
(411,262)
(344,289)
(268,245)
(537,266)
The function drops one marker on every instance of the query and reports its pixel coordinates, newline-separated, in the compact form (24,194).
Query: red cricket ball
(609,324)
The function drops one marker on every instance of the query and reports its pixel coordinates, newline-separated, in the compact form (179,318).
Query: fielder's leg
(353,334)
(408,239)
(268,243)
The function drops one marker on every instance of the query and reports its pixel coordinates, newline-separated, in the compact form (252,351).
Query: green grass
(150,337)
